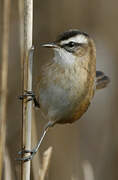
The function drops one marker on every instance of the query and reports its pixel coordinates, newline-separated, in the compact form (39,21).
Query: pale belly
(65,95)
(59,103)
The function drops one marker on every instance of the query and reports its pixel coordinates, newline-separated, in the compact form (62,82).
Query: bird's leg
(33,151)
(32,97)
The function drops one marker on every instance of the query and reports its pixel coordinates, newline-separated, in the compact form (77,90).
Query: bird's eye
(71,44)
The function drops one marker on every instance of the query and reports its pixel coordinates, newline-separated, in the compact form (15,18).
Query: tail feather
(101,80)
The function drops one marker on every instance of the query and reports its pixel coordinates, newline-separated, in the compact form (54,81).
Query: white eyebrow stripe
(78,39)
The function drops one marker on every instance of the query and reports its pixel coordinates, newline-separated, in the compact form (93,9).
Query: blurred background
(87,149)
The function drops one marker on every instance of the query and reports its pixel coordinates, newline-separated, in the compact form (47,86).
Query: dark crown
(70,33)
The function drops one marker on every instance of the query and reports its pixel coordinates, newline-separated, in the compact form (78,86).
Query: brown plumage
(67,83)
(77,81)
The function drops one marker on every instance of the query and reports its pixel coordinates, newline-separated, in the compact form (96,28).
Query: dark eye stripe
(71,44)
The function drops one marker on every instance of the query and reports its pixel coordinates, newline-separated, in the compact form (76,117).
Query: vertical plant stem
(40,167)
(27,83)
(45,163)
(21,31)
(21,38)
(8,167)
(4,79)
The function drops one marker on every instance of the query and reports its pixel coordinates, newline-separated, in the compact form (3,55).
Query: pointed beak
(50,45)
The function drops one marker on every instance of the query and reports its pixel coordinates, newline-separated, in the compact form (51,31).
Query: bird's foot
(26,158)
(29,96)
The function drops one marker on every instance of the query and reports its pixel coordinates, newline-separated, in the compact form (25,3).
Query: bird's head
(71,45)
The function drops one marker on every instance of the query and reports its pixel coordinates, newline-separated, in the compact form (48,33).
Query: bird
(68,82)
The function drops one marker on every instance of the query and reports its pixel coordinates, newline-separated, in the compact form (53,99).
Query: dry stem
(4,79)
(40,169)
(27,83)
(45,163)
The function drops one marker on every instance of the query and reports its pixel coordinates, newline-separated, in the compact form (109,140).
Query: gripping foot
(29,95)
(33,152)
(26,158)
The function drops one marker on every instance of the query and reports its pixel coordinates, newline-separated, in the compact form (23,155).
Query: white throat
(61,56)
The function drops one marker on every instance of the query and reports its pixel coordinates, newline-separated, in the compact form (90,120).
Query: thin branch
(45,163)
(21,30)
(21,38)
(88,170)
(27,83)
(4,79)
(8,166)
(40,169)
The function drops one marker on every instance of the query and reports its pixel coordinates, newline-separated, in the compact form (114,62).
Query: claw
(24,159)
(22,97)
(32,97)
(29,92)
(24,151)
(27,158)
(29,99)
(33,151)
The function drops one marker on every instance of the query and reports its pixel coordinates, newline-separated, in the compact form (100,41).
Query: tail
(101,80)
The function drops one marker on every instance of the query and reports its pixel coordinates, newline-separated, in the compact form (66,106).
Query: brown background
(88,149)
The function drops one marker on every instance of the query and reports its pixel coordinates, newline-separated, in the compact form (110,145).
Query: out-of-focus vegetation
(88,149)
